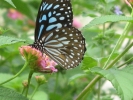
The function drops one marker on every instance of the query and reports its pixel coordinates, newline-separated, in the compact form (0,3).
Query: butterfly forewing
(66,46)
(53,14)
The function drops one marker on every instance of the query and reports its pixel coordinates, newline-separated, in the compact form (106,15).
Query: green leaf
(15,83)
(23,7)
(109,1)
(4,41)
(122,80)
(108,18)
(88,62)
(6,76)
(10,2)
(77,76)
(104,59)
(40,95)
(8,94)
(2,30)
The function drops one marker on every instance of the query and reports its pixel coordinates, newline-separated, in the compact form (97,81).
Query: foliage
(8,94)
(108,58)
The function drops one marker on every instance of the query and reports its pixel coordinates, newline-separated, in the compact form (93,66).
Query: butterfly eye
(55,36)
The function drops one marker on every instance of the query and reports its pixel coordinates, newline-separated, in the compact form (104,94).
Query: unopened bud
(40,79)
(25,83)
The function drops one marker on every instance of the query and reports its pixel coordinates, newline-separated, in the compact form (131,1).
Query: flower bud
(40,79)
(25,83)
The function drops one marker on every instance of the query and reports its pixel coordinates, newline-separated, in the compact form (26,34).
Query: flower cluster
(76,23)
(117,10)
(14,14)
(37,61)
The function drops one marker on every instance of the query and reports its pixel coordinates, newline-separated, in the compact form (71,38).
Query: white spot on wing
(49,36)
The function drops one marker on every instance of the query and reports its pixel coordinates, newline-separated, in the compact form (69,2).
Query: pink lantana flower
(76,23)
(37,61)
(14,14)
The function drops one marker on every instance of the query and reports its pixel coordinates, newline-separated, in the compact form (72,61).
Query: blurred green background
(19,22)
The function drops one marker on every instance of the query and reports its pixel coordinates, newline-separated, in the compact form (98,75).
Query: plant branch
(34,91)
(25,65)
(120,40)
(87,88)
(125,62)
(29,79)
(119,56)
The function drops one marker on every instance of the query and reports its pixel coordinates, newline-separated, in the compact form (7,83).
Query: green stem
(104,29)
(87,88)
(99,89)
(25,65)
(119,56)
(57,76)
(120,40)
(125,62)
(29,79)
(129,26)
(23,90)
(34,91)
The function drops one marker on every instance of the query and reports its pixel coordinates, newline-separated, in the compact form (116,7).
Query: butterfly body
(55,36)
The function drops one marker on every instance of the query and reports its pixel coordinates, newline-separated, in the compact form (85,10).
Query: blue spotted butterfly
(55,36)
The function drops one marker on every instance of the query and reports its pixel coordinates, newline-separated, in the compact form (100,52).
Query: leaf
(10,2)
(5,40)
(24,7)
(8,94)
(6,76)
(77,76)
(40,95)
(104,59)
(122,80)
(3,30)
(15,83)
(88,62)
(108,18)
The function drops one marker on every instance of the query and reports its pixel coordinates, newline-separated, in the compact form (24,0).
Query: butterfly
(55,36)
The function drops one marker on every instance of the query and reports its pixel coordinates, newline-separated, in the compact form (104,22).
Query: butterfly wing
(55,36)
(53,14)
(66,46)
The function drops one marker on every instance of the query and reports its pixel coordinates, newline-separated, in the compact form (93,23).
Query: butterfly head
(37,45)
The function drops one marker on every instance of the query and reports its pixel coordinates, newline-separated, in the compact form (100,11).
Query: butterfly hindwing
(53,14)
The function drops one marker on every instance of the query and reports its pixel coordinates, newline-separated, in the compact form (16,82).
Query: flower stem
(34,91)
(56,82)
(119,56)
(25,65)
(87,88)
(125,62)
(29,79)
(99,90)
(23,90)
